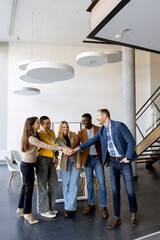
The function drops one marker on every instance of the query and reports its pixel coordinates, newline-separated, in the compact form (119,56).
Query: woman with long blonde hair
(29,145)
(70,169)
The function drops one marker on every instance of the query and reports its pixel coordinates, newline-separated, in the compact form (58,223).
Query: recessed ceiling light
(118,36)
(126,30)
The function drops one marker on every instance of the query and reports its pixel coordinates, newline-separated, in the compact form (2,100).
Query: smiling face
(87,122)
(65,128)
(101,117)
(36,125)
(46,125)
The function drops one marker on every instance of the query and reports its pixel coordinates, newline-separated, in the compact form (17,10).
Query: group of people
(110,145)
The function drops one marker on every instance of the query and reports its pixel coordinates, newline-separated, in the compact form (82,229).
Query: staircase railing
(148,116)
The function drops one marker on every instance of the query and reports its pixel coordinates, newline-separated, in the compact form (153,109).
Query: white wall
(89,90)
(3,94)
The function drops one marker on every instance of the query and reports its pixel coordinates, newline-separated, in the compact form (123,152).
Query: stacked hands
(68,151)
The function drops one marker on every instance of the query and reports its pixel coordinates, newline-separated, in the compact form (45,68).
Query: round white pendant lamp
(27,91)
(46,71)
(114,57)
(26,78)
(23,64)
(91,59)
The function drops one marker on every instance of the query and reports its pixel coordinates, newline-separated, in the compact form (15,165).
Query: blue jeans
(94,164)
(116,169)
(70,180)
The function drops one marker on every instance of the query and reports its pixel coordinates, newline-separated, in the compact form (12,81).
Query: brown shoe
(114,223)
(134,220)
(68,214)
(90,208)
(104,212)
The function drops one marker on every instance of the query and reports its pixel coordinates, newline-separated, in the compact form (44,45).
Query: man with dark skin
(92,161)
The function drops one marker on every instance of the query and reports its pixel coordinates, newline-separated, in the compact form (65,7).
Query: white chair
(16,156)
(14,169)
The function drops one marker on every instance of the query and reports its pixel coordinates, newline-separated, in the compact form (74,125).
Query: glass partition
(148,117)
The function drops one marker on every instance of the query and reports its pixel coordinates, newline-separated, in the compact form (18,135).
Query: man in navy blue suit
(117,144)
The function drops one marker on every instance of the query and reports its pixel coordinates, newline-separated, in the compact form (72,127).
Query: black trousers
(25,200)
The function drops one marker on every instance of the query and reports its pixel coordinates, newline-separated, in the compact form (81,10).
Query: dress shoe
(31,220)
(48,214)
(104,212)
(90,208)
(68,214)
(114,223)
(20,212)
(134,220)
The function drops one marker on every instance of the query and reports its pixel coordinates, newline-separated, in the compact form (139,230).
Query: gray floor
(81,227)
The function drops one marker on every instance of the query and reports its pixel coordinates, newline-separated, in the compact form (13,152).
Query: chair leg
(83,186)
(83,191)
(35,181)
(20,188)
(83,183)
(10,179)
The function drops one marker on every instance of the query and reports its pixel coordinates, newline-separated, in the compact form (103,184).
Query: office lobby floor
(81,227)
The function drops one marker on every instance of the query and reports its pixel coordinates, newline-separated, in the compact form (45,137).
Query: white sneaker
(54,211)
(48,215)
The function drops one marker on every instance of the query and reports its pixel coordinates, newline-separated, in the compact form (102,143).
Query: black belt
(92,155)
(116,158)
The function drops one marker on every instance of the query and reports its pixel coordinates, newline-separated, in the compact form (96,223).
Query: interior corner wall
(3,94)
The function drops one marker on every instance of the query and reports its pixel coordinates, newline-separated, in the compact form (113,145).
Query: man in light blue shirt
(117,144)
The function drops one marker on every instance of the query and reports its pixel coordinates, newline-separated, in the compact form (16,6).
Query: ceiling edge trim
(118,8)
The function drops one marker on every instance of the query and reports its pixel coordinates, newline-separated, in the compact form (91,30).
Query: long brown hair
(27,132)
(60,132)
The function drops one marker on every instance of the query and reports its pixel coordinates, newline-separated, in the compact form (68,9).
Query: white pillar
(129,93)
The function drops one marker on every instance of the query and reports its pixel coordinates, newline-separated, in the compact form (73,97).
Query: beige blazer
(64,158)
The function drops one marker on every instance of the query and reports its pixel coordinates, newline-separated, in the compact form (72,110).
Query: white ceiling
(141,16)
(49,21)
(66,22)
